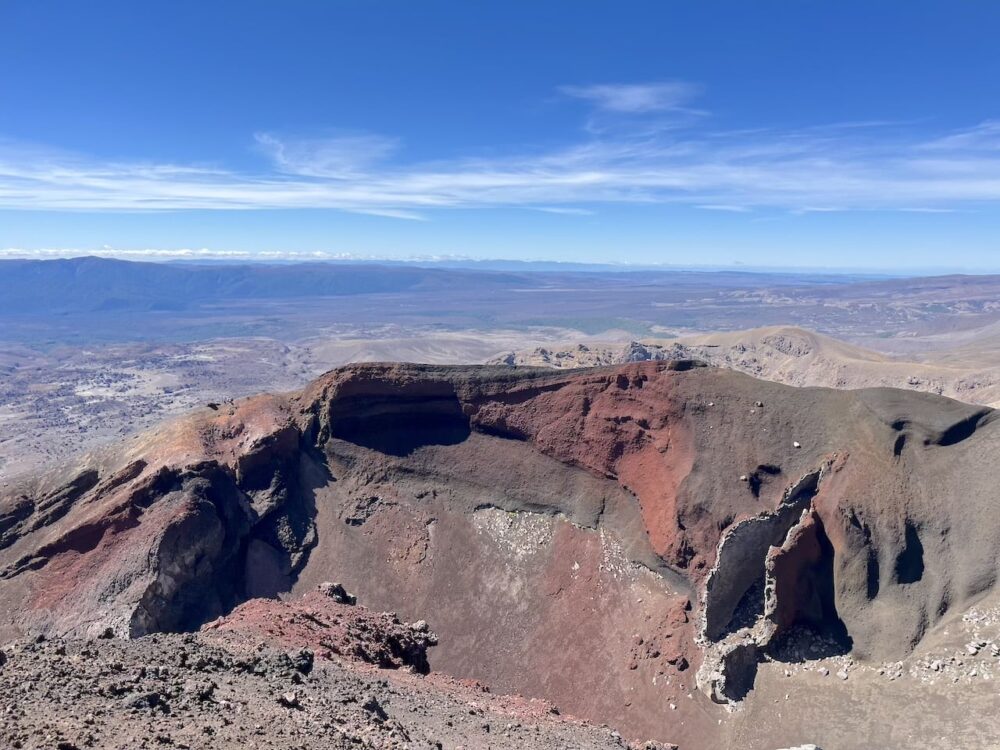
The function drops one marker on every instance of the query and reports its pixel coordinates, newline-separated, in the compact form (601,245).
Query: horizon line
(303,257)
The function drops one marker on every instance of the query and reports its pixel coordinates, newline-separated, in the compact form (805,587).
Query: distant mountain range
(97,284)
(92,284)
(89,299)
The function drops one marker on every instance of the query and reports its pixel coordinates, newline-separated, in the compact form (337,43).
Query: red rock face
(790,565)
(625,424)
(556,529)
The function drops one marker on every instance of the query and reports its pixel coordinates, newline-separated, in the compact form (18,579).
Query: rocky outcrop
(167,543)
(773,572)
(738,583)
(328,625)
(622,528)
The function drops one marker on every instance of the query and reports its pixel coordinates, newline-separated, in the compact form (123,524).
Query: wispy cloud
(563,210)
(200,254)
(984,136)
(858,166)
(338,157)
(724,207)
(173,254)
(635,98)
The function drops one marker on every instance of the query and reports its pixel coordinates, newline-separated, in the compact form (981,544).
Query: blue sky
(851,134)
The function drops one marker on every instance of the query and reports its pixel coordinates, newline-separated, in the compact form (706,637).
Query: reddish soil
(330,629)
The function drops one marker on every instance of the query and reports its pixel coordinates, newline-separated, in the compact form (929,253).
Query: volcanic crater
(630,543)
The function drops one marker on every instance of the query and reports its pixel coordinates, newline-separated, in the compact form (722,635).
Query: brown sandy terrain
(785,354)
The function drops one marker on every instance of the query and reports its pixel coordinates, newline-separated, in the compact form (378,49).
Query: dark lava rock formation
(608,539)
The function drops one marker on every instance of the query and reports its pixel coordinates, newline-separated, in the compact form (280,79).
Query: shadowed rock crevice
(873,578)
(740,564)
(899,444)
(737,668)
(774,577)
(399,419)
(909,566)
(963,429)
(760,476)
(27,515)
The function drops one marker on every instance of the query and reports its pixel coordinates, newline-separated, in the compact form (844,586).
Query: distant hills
(97,284)
(90,299)
(92,284)
(795,356)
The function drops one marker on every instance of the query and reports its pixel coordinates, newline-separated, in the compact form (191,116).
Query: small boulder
(372,706)
(290,699)
(337,592)
(302,660)
(151,699)
(202,690)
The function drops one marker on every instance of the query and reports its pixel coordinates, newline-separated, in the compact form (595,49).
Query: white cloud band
(856,166)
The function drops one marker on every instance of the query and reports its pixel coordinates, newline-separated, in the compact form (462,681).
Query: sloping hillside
(795,356)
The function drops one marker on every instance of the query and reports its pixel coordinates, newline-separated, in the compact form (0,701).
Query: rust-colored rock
(330,630)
